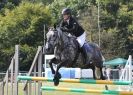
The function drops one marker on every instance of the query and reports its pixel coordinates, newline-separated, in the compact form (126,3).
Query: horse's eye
(53,35)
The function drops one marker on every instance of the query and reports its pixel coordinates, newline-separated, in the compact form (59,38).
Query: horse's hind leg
(93,69)
(102,76)
(98,73)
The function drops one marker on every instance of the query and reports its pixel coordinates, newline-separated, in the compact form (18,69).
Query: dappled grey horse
(66,51)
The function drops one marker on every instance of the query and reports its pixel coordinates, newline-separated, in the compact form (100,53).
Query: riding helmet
(66,11)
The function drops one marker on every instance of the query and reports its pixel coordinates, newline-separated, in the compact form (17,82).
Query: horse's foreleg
(51,65)
(57,74)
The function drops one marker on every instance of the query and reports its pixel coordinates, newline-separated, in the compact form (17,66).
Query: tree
(24,26)
(118,19)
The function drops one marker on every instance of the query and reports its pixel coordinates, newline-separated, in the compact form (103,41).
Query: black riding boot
(84,54)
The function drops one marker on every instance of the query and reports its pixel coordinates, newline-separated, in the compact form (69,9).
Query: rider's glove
(64,29)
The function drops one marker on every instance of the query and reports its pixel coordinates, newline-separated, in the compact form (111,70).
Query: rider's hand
(64,29)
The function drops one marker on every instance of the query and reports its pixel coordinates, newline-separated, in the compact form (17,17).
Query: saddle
(88,47)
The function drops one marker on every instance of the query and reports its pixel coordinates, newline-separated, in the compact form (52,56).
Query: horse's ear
(54,26)
(48,27)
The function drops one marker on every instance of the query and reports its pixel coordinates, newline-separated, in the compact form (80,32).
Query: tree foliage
(24,26)
(116,20)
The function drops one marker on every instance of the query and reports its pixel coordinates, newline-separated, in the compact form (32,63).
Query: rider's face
(66,16)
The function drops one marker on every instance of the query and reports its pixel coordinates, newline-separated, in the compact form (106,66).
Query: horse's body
(66,51)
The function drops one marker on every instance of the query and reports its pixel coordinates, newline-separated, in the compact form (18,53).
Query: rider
(70,25)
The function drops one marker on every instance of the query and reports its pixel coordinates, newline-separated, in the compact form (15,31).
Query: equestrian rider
(70,25)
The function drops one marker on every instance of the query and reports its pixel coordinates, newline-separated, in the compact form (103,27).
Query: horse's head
(52,40)
(55,37)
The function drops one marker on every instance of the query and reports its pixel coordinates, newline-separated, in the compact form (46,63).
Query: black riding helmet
(66,11)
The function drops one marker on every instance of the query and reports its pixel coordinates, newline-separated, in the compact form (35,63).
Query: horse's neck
(62,44)
(66,38)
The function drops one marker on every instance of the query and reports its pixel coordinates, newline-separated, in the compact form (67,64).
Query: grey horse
(66,51)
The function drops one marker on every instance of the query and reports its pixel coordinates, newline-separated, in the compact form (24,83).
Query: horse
(66,51)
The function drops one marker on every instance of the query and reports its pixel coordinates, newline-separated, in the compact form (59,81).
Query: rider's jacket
(71,26)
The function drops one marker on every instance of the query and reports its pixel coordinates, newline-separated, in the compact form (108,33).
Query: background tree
(24,26)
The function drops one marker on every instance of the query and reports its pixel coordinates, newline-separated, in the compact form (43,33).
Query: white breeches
(81,39)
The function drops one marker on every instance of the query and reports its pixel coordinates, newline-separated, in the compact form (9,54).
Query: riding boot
(84,54)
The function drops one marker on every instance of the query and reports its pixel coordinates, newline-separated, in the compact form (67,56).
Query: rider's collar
(68,21)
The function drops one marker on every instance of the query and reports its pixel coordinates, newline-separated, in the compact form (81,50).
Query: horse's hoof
(103,78)
(106,87)
(56,82)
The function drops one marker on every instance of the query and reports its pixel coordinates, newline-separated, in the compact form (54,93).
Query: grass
(71,85)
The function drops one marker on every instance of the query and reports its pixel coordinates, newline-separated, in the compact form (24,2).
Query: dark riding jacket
(71,27)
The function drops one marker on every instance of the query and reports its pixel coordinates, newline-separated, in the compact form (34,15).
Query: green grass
(71,85)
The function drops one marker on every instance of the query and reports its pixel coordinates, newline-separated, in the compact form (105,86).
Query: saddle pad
(88,47)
